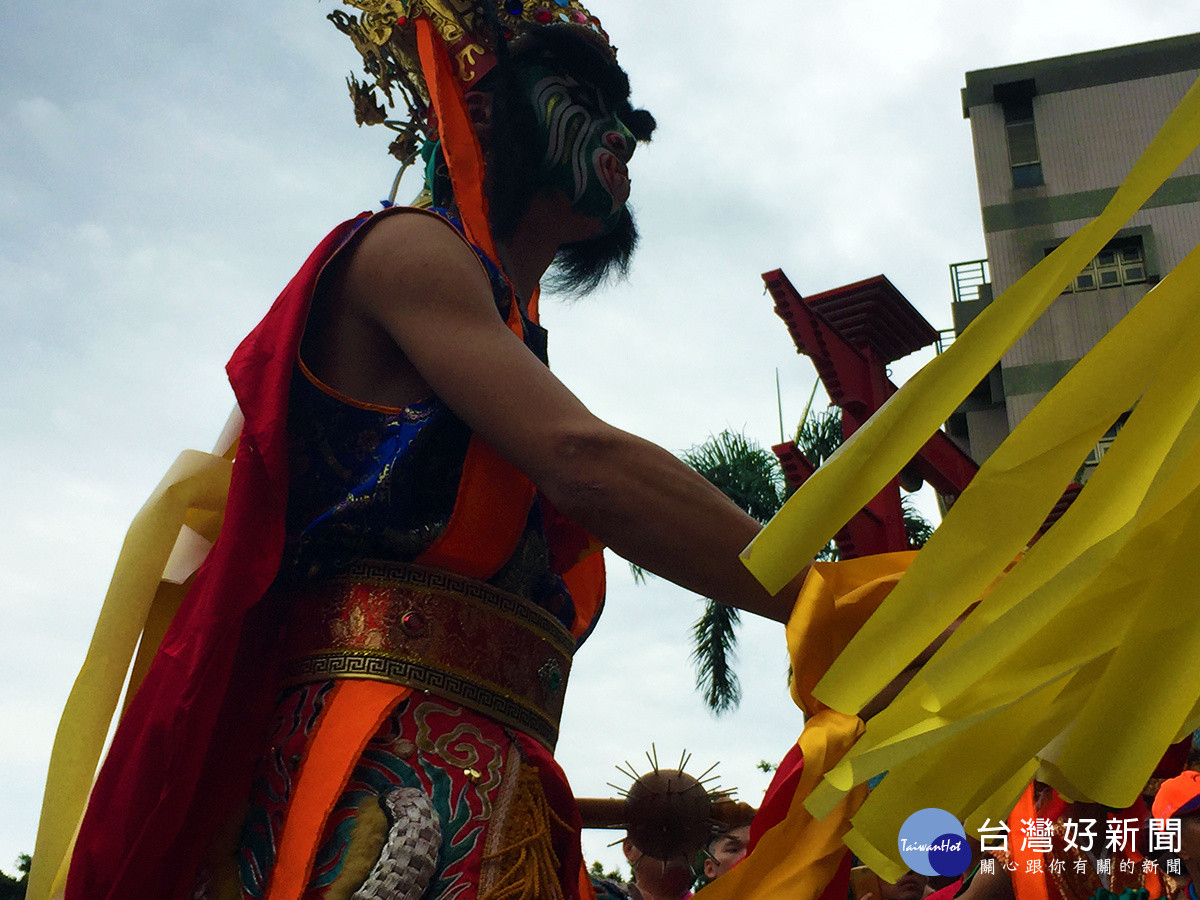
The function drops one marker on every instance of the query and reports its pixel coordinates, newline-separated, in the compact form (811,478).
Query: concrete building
(1053,140)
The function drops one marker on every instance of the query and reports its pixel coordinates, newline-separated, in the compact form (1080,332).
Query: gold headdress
(429,52)
(385,33)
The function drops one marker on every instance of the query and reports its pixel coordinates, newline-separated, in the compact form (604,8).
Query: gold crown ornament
(385,33)
(429,52)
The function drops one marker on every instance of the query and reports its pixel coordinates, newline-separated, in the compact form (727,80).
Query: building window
(1098,451)
(1022,144)
(1122,261)
(1016,99)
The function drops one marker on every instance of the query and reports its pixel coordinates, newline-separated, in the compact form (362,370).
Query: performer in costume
(375,650)
(1179,798)
(367,669)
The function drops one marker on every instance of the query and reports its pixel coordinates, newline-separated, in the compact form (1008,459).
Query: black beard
(583,266)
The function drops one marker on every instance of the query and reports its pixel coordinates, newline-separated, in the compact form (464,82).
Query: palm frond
(715,635)
(828,553)
(750,476)
(820,435)
(742,470)
(917,528)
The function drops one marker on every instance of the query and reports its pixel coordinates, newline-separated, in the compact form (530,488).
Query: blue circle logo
(933,842)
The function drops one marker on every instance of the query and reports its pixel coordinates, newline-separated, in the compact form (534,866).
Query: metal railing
(966,279)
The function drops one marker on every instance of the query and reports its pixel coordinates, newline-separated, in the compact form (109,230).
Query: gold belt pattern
(458,638)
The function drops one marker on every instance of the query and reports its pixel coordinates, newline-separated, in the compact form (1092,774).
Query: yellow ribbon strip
(1094,729)
(1076,665)
(797,858)
(991,522)
(1066,609)
(138,605)
(1049,656)
(1082,633)
(875,453)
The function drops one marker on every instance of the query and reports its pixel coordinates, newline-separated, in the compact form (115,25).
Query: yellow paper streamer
(1117,707)
(797,858)
(994,518)
(864,464)
(1080,632)
(193,494)
(1084,628)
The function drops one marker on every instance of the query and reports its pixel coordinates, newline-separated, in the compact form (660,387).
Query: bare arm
(414,281)
(897,684)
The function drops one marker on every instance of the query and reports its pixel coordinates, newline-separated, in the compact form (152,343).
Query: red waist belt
(453,636)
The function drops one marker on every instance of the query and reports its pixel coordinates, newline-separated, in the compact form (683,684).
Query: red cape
(181,758)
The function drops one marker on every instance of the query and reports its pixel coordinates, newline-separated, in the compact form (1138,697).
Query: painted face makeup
(587,145)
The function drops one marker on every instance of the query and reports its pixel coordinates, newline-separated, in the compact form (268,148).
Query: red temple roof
(873,313)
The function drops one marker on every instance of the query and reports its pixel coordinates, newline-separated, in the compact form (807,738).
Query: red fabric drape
(181,756)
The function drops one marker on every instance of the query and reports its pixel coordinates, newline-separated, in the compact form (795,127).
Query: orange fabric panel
(493,496)
(586,891)
(352,714)
(489,516)
(1026,885)
(586,582)
(464,157)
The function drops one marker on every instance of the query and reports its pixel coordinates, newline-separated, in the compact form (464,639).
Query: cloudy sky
(168,165)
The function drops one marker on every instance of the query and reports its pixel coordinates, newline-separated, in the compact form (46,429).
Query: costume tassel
(528,866)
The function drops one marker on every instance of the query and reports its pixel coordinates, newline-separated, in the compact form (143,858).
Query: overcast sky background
(167,166)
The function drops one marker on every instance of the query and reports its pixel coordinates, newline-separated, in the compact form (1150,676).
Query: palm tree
(819,435)
(751,477)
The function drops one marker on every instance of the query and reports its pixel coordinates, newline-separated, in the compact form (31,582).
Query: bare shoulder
(402,289)
(415,255)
